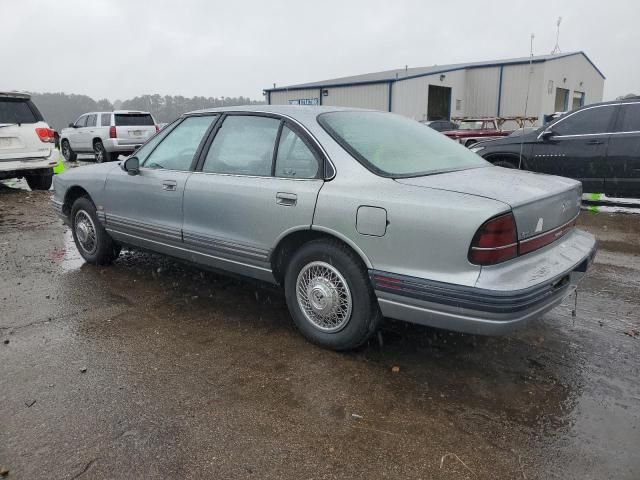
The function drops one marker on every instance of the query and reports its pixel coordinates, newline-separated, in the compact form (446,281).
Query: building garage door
(439,103)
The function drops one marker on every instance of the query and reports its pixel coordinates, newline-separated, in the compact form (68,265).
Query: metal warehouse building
(494,88)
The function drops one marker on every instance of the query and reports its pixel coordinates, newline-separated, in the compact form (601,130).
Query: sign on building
(305,101)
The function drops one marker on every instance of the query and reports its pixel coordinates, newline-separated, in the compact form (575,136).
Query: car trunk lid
(540,203)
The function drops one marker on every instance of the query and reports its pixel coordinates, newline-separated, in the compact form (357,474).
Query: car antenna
(526,101)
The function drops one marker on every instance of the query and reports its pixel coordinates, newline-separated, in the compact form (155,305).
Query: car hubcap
(65,151)
(99,154)
(323,296)
(85,232)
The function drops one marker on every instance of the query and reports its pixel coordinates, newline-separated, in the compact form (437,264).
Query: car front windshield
(473,125)
(395,146)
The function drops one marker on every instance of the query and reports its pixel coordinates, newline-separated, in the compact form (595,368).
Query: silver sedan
(359,215)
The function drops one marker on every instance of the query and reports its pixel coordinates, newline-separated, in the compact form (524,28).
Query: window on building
(562,100)
(578,100)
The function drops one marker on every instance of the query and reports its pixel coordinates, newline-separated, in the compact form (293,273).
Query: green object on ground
(59,168)
(595,196)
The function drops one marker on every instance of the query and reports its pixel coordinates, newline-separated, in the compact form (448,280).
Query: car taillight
(45,134)
(112,132)
(544,239)
(495,241)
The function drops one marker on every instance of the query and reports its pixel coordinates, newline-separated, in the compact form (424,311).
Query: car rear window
(394,146)
(18,110)
(133,119)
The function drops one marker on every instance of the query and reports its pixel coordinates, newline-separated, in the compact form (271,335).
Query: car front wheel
(330,296)
(92,240)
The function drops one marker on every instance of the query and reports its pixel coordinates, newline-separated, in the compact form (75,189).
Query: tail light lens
(45,135)
(495,241)
(112,132)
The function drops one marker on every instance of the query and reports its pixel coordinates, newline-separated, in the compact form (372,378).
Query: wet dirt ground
(153,369)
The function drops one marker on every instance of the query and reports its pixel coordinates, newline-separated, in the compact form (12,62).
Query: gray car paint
(430,221)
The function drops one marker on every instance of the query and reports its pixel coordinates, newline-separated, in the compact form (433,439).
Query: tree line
(60,109)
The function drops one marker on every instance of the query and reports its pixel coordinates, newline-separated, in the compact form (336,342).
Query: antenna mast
(556,49)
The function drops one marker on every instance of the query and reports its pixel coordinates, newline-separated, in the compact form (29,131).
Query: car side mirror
(547,134)
(131,165)
(72,125)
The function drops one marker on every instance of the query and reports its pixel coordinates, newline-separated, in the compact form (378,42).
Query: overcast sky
(121,48)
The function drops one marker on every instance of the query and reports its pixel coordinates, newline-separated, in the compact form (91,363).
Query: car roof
(23,96)
(302,113)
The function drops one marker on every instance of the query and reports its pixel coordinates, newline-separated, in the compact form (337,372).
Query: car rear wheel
(40,181)
(92,240)
(99,152)
(330,297)
(68,154)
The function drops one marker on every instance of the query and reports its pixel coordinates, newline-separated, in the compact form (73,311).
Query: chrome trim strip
(548,232)
(191,251)
(486,249)
(213,243)
(170,233)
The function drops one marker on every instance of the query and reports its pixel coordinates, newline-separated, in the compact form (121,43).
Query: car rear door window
(91,120)
(629,118)
(133,119)
(295,159)
(586,122)
(243,146)
(17,110)
(105,119)
(176,150)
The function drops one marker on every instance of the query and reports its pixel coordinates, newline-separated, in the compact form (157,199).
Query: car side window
(177,148)
(81,122)
(584,122)
(243,146)
(629,118)
(91,120)
(105,119)
(295,159)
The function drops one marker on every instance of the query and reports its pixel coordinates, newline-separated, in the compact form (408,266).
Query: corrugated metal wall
(481,94)
(374,96)
(515,79)
(410,97)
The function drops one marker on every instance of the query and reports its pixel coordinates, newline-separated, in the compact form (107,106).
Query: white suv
(26,142)
(107,134)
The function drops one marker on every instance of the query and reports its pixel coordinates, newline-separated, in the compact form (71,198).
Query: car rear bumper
(19,165)
(120,145)
(478,310)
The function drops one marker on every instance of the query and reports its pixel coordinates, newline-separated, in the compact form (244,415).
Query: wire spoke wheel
(85,231)
(324,296)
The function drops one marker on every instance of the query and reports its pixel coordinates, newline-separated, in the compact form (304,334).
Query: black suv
(598,144)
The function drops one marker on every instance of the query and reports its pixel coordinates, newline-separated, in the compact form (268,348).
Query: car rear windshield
(18,110)
(133,119)
(394,146)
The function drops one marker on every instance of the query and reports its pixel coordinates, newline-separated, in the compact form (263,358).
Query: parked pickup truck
(474,130)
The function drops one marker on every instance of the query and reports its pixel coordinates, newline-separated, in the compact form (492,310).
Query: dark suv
(598,144)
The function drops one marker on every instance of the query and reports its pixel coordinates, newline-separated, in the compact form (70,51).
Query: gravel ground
(153,369)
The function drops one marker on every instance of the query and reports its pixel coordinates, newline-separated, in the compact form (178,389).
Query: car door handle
(286,199)
(595,142)
(169,185)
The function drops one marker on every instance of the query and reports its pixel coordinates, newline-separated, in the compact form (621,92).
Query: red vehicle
(473,130)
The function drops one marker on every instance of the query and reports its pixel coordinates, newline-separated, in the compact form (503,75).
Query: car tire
(99,152)
(330,296)
(40,181)
(505,164)
(68,154)
(92,241)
